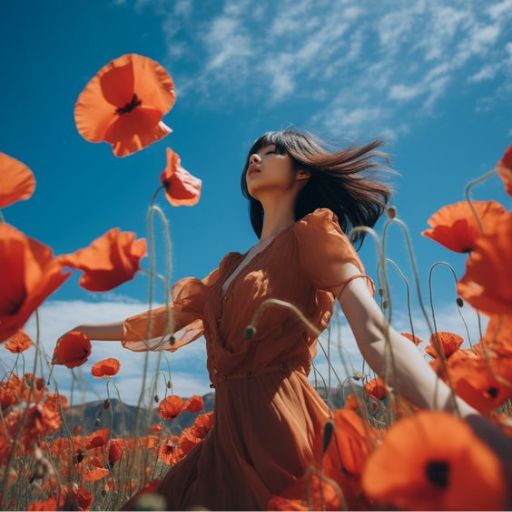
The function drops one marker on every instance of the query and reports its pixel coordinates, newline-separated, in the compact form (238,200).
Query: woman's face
(269,170)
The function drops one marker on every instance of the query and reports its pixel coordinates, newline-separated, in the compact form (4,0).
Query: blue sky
(434,79)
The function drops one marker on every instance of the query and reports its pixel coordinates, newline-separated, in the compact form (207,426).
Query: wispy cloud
(357,65)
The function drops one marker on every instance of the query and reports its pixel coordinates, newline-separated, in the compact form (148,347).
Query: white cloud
(395,58)
(188,365)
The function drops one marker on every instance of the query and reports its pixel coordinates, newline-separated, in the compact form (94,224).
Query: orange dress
(266,412)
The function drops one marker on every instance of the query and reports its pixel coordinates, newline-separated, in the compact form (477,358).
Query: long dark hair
(337,181)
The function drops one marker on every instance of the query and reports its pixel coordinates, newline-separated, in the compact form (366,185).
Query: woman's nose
(254,158)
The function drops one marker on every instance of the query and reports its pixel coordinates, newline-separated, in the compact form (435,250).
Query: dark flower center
(493,392)
(135,102)
(437,473)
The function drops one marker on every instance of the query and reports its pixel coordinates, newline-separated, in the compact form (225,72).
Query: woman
(302,199)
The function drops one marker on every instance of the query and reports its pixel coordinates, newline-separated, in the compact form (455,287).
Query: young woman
(302,199)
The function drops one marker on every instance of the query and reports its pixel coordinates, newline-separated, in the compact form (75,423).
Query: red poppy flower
(29,274)
(72,349)
(376,388)
(487,281)
(109,261)
(181,188)
(449,342)
(498,335)
(124,104)
(483,382)
(456,227)
(106,367)
(17,181)
(19,342)
(411,337)
(97,438)
(433,461)
(115,452)
(95,474)
(170,407)
(504,168)
(194,404)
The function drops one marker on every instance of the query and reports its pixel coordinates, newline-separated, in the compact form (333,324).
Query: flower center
(493,392)
(437,472)
(134,103)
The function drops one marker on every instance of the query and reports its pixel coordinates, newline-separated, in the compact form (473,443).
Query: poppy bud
(250,331)
(156,398)
(391,211)
(460,302)
(384,304)
(106,403)
(97,422)
(168,384)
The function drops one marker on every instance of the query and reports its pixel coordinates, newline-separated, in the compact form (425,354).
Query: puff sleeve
(186,307)
(323,249)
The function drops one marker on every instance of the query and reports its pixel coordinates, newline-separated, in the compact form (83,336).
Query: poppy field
(379,452)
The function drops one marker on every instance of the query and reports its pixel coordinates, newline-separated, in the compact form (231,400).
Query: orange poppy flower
(411,337)
(376,388)
(95,474)
(115,451)
(97,438)
(343,460)
(498,335)
(487,281)
(449,342)
(106,367)
(19,342)
(170,407)
(181,188)
(194,404)
(203,424)
(109,261)
(170,452)
(504,168)
(79,499)
(433,461)
(72,349)
(188,440)
(456,227)
(124,104)
(17,181)
(29,274)
(47,504)
(481,383)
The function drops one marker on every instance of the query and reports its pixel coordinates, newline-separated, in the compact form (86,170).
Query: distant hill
(120,417)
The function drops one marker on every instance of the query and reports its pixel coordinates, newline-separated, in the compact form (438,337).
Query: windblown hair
(337,181)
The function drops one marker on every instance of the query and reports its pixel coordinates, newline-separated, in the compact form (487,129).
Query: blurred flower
(17,181)
(181,188)
(28,275)
(109,261)
(433,461)
(170,407)
(449,342)
(456,227)
(487,281)
(106,367)
(19,342)
(504,168)
(124,104)
(72,349)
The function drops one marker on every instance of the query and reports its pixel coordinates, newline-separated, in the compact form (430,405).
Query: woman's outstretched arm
(415,379)
(109,331)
